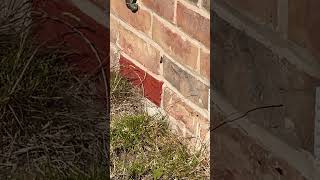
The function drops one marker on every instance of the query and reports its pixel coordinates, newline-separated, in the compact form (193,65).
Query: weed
(52,122)
(143,147)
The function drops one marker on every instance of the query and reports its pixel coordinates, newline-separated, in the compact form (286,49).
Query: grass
(53,125)
(124,98)
(143,147)
(48,116)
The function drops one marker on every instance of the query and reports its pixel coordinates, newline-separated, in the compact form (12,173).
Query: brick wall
(168,43)
(57,29)
(95,32)
(266,53)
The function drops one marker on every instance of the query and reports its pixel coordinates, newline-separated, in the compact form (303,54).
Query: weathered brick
(193,1)
(313,27)
(238,156)
(304,24)
(181,49)
(141,20)
(206,4)
(193,24)
(152,87)
(263,11)
(114,26)
(251,75)
(178,127)
(164,8)
(186,84)
(101,3)
(174,106)
(204,130)
(205,64)
(113,56)
(297,21)
(139,50)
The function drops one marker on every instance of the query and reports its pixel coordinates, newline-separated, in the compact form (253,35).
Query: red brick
(152,87)
(164,8)
(180,111)
(141,20)
(139,50)
(98,35)
(193,24)
(263,11)
(182,50)
(205,64)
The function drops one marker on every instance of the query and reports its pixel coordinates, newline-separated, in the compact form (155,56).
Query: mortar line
(185,100)
(198,61)
(177,30)
(187,70)
(295,55)
(196,9)
(199,3)
(282,19)
(142,67)
(175,12)
(154,44)
(299,159)
(92,10)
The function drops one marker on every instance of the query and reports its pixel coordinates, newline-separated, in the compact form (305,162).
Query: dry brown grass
(53,125)
(124,98)
(143,147)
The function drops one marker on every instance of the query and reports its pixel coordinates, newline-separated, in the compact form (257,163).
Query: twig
(15,116)
(93,48)
(141,80)
(25,150)
(244,115)
(25,68)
